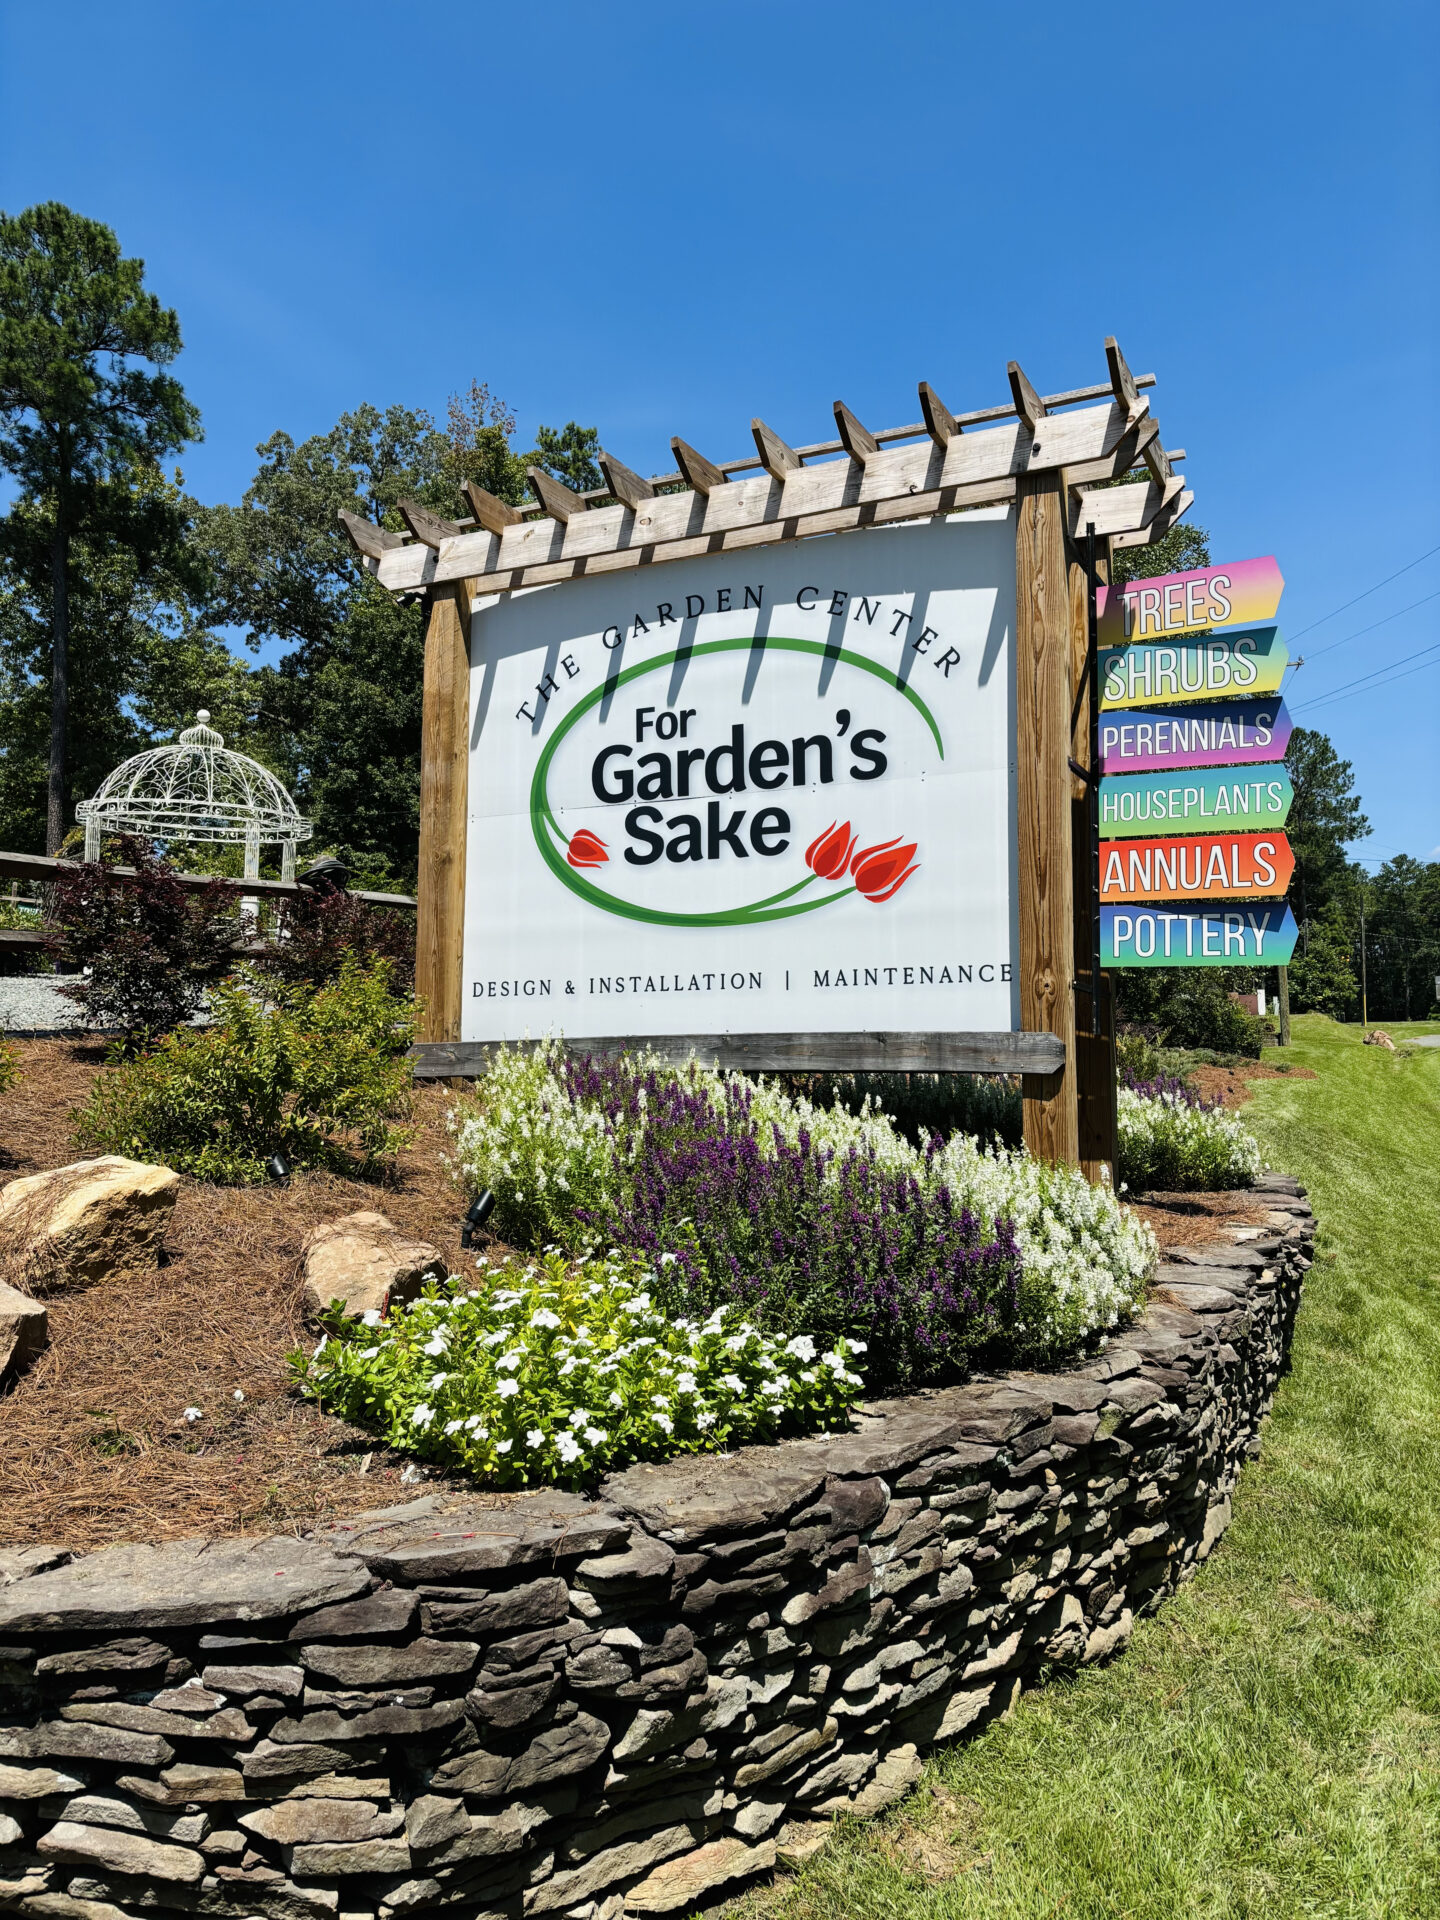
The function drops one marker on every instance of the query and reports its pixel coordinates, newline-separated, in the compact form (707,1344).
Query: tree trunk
(59,682)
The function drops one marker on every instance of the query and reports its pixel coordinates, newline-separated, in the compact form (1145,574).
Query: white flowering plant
(1170,1141)
(553,1374)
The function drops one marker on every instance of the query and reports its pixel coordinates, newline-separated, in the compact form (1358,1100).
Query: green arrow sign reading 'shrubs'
(1200,668)
(1207,800)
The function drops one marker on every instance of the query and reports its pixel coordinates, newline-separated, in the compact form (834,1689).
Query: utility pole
(1284,973)
(1364,995)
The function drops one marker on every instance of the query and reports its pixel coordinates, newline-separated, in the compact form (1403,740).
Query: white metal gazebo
(198,789)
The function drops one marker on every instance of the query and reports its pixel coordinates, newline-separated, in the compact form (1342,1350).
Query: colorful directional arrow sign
(1209,733)
(1242,594)
(1248,662)
(1219,937)
(1197,867)
(1213,800)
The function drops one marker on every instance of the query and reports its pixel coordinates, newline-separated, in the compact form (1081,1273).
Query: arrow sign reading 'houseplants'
(1245,592)
(1233,799)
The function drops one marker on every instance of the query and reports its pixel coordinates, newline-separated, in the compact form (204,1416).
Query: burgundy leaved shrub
(149,946)
(314,935)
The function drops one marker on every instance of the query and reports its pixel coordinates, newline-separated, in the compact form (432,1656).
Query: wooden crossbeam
(1122,380)
(886,436)
(857,441)
(776,457)
(940,423)
(559,501)
(774,495)
(628,488)
(896,483)
(700,473)
(1114,510)
(1028,404)
(1178,505)
(490,512)
(367,539)
(428,528)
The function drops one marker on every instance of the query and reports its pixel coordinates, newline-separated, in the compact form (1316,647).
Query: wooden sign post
(895,725)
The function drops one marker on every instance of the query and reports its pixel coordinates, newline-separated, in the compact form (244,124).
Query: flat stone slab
(707,1496)
(429,1541)
(183,1583)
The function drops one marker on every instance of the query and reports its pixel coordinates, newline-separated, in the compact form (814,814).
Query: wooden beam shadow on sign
(1028,1053)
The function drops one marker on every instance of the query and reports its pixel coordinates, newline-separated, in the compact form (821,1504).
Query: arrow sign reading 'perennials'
(1197,867)
(1242,594)
(1244,663)
(1209,733)
(1223,937)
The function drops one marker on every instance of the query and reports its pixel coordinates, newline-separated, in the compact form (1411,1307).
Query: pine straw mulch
(93,1443)
(1231,1084)
(1187,1219)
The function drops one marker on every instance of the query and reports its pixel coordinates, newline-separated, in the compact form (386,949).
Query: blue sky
(666,219)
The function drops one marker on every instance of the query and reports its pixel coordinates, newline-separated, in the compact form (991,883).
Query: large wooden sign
(771,758)
(759,796)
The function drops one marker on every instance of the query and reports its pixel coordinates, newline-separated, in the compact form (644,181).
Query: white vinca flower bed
(1086,1260)
(553,1374)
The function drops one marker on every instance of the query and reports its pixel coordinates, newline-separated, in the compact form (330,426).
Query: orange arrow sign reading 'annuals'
(1198,867)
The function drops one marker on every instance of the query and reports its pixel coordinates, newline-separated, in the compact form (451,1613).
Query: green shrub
(1173,1143)
(986,1106)
(317,1075)
(557,1374)
(1190,1007)
(9,1066)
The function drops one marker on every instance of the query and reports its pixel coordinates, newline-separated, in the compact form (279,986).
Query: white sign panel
(752,793)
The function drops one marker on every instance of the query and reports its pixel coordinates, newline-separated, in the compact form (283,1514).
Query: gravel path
(33,1004)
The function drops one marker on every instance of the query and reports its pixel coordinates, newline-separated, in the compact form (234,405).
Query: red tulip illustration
(881,871)
(586,849)
(829,854)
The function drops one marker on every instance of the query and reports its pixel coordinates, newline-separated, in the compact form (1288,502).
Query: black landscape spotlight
(480,1212)
(278,1169)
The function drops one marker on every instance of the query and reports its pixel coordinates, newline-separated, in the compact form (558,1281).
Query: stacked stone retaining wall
(627,1705)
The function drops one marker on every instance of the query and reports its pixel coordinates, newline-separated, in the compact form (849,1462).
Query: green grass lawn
(1270,1743)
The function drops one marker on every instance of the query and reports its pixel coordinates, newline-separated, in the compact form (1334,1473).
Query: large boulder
(76,1224)
(365,1263)
(24,1329)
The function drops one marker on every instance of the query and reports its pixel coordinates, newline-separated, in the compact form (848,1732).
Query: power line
(1380,676)
(1366,595)
(1330,648)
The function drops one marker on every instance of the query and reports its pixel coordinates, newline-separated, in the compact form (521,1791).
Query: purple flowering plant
(803,1237)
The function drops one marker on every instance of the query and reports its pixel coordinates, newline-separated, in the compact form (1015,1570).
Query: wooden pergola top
(939,465)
